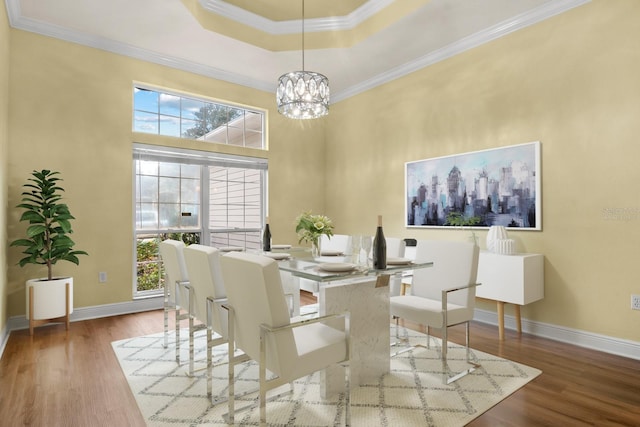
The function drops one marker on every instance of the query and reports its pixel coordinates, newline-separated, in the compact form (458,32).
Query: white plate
(280,246)
(231,249)
(398,261)
(330,252)
(276,255)
(336,267)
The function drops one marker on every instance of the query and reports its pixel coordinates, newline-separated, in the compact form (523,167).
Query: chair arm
(210,303)
(445,292)
(178,284)
(271,329)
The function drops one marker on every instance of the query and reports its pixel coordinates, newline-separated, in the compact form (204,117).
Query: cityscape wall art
(499,186)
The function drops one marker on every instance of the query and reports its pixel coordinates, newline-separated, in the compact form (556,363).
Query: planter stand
(33,323)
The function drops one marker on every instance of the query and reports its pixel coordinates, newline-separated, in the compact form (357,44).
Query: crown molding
(501,29)
(333,23)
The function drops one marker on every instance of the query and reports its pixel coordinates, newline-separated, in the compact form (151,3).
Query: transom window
(172,114)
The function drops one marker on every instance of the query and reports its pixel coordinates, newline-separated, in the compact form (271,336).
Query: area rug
(412,394)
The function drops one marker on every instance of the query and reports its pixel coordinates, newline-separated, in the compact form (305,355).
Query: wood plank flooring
(68,379)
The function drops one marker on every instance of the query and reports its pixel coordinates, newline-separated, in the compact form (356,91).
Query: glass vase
(315,247)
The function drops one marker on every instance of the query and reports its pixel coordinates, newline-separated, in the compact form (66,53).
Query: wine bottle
(266,236)
(379,248)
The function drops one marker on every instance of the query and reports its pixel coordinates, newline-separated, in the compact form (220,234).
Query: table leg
(501,320)
(368,306)
(518,319)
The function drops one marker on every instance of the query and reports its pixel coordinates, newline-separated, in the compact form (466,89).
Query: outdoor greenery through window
(196,197)
(170,114)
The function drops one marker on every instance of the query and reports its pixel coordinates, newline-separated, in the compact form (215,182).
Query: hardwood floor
(58,378)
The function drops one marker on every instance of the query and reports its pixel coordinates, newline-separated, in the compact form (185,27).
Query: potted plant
(310,227)
(47,242)
(457,219)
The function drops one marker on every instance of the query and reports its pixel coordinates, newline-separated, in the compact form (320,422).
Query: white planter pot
(49,298)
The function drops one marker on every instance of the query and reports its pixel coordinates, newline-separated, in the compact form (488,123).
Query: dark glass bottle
(379,248)
(266,237)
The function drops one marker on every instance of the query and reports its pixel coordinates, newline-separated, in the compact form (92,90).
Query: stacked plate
(398,261)
(337,267)
(277,255)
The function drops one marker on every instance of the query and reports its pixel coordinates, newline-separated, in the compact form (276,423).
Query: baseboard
(4,337)
(620,347)
(617,346)
(85,313)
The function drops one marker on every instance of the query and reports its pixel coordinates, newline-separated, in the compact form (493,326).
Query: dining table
(345,285)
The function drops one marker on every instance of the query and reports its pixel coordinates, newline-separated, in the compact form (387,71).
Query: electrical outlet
(635,302)
(102,277)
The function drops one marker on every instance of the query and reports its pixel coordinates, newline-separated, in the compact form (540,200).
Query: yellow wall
(71,111)
(4,160)
(570,82)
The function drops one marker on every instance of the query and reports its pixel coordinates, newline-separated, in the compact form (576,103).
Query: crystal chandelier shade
(303,94)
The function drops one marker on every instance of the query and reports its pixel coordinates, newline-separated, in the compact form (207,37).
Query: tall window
(196,197)
(171,114)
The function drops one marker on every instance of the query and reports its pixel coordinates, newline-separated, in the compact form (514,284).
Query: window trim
(199,98)
(196,157)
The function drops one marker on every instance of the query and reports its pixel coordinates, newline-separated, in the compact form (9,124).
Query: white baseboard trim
(94,312)
(617,346)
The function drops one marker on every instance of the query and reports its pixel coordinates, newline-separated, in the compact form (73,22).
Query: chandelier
(303,94)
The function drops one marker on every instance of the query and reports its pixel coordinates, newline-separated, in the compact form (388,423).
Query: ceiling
(357,44)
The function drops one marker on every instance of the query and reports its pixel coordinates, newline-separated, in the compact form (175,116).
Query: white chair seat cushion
(427,311)
(317,345)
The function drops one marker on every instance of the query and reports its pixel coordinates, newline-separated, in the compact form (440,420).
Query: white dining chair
(175,274)
(336,244)
(259,325)
(206,293)
(442,295)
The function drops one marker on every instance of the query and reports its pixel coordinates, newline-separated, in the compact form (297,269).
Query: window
(198,197)
(167,114)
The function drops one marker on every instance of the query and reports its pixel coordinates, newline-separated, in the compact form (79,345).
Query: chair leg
(191,345)
(209,363)
(231,370)
(177,333)
(445,367)
(347,397)
(263,380)
(443,354)
(166,316)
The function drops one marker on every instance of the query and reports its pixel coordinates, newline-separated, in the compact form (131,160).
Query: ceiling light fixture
(303,94)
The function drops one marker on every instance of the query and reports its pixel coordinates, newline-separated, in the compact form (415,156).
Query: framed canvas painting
(499,186)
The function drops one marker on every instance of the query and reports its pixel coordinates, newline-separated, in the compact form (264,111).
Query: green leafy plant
(47,240)
(459,220)
(310,227)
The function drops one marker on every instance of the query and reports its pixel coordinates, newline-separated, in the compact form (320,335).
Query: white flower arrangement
(310,227)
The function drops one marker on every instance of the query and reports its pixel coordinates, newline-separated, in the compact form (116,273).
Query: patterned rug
(412,394)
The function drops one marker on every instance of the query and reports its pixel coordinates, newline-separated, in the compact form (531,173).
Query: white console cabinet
(515,279)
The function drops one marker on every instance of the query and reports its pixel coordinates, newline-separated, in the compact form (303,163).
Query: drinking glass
(355,248)
(366,242)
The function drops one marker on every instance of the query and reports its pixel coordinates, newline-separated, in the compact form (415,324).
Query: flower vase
(315,247)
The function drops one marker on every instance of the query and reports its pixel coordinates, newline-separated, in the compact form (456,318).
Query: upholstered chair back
(205,277)
(173,260)
(455,263)
(395,247)
(337,243)
(256,295)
